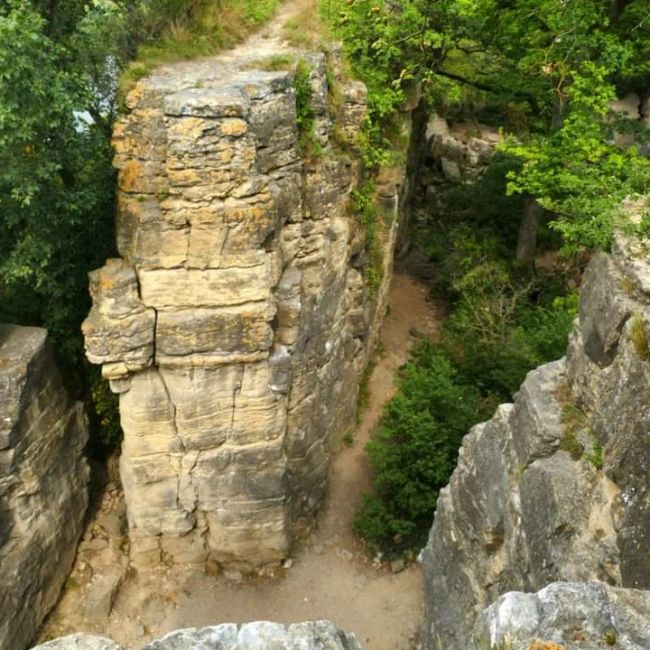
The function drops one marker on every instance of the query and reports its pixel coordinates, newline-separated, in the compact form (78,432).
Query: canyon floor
(331,575)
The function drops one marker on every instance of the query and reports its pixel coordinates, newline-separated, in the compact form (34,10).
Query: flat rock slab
(260,635)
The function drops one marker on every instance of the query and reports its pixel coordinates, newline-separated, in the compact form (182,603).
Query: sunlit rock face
(43,483)
(565,615)
(313,635)
(555,486)
(237,320)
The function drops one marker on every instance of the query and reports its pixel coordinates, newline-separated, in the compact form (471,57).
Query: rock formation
(43,483)
(567,616)
(461,151)
(555,486)
(237,321)
(263,635)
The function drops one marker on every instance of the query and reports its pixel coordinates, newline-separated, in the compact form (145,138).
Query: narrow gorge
(312,275)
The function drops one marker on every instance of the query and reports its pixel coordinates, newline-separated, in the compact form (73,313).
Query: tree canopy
(548,70)
(56,181)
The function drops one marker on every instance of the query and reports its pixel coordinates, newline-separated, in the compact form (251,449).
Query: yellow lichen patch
(130,176)
(106,281)
(545,645)
(136,94)
(185,177)
(234,127)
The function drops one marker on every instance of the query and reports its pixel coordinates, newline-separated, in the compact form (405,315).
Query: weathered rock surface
(463,150)
(237,321)
(567,616)
(80,642)
(262,635)
(43,483)
(521,511)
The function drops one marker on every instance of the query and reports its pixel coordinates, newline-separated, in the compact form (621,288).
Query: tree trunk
(528,229)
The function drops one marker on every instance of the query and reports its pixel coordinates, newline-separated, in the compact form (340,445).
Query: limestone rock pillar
(236,322)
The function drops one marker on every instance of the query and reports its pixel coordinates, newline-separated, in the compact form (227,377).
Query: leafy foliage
(56,183)
(305,116)
(547,69)
(503,322)
(415,449)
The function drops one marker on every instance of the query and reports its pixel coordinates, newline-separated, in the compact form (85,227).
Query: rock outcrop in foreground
(263,635)
(555,487)
(237,321)
(567,616)
(43,483)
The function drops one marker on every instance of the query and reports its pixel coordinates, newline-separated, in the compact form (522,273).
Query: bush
(414,451)
(497,361)
(501,326)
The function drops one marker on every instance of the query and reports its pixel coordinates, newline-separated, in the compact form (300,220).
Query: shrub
(310,146)
(414,451)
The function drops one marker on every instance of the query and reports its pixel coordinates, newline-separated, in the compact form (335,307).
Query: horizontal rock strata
(555,486)
(237,320)
(43,483)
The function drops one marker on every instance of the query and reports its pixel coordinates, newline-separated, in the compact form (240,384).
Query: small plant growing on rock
(639,337)
(310,147)
(574,420)
(610,637)
(571,444)
(628,286)
(595,457)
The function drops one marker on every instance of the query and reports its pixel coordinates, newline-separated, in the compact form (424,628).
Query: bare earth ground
(331,575)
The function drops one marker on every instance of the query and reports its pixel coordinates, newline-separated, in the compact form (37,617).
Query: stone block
(43,483)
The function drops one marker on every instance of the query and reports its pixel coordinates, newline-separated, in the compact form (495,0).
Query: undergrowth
(502,323)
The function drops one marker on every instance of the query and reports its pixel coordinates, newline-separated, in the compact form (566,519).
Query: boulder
(566,616)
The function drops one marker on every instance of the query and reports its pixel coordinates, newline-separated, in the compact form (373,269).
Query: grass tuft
(573,419)
(639,337)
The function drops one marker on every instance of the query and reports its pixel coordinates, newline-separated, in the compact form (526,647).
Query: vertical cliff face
(43,483)
(237,320)
(555,486)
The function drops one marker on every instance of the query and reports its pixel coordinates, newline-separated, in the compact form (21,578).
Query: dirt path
(330,576)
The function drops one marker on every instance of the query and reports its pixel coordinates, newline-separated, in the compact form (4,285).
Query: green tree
(56,182)
(548,68)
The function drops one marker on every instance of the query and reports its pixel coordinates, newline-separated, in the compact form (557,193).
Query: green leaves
(56,182)
(548,69)
(414,451)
